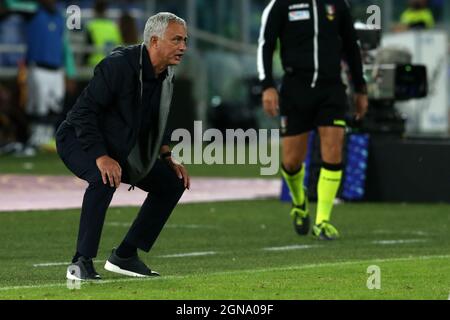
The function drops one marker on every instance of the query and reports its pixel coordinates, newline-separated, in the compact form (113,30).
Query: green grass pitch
(250,251)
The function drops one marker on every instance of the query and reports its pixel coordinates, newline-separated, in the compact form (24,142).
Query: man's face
(172,47)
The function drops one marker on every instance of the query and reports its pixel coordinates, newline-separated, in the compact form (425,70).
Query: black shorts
(304,109)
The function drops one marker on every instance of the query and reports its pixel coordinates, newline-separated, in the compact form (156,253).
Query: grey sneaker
(82,270)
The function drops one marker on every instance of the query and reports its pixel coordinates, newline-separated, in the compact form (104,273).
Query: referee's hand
(362,106)
(271,102)
(110,170)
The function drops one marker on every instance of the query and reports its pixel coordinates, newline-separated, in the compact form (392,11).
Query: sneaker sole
(115,269)
(321,237)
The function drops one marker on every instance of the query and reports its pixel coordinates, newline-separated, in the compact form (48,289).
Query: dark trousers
(162,185)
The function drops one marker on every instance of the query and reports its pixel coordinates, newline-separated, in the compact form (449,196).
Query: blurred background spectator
(128,29)
(47,55)
(102,33)
(418,16)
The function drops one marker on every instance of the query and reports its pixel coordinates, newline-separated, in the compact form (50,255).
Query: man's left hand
(180,171)
(362,105)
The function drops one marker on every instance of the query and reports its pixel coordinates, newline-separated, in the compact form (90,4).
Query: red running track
(23,193)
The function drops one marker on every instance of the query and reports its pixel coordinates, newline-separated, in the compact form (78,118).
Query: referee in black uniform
(315,37)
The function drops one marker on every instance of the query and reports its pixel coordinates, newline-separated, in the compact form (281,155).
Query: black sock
(292,173)
(126,250)
(333,167)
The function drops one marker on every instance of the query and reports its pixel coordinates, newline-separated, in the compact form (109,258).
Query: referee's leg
(294,151)
(331,143)
(293,171)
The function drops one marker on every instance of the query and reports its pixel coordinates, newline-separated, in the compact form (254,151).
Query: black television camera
(391,77)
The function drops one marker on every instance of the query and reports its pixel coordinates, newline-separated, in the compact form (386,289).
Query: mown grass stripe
(286,268)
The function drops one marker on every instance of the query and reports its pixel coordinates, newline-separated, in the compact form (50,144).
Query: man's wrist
(268,84)
(102,157)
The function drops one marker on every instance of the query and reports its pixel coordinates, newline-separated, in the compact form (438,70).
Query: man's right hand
(271,102)
(110,170)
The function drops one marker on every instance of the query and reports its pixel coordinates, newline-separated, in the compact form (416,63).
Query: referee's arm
(271,24)
(352,50)
(352,54)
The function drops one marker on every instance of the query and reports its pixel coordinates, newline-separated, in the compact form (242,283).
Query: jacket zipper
(316,45)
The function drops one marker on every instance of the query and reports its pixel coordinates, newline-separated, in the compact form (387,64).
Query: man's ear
(154,42)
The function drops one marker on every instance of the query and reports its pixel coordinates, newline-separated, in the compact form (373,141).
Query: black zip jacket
(110,114)
(315,36)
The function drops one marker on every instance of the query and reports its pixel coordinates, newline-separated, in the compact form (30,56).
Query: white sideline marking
(288,248)
(287,268)
(56,264)
(192,254)
(391,242)
(118,224)
(414,233)
(177,255)
(50,264)
(180,226)
(271,249)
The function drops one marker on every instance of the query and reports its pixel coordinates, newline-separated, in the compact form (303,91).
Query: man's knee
(332,141)
(96,183)
(293,161)
(331,146)
(167,184)
(294,152)
(175,187)
(332,153)
(292,166)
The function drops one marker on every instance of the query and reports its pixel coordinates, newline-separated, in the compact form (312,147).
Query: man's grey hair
(156,25)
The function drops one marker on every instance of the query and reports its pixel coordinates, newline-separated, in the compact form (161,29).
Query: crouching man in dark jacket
(116,132)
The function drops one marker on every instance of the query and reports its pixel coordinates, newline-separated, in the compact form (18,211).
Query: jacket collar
(135,57)
(148,72)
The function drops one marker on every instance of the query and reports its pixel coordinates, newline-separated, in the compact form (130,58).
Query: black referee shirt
(315,36)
